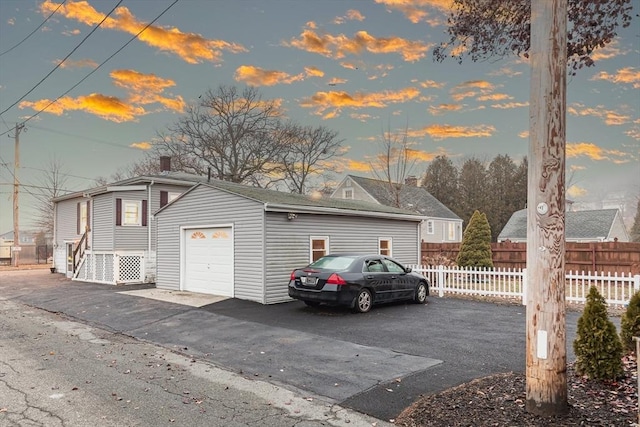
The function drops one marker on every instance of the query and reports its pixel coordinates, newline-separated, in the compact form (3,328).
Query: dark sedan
(357,281)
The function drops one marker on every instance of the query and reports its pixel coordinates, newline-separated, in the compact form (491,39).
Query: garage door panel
(208,262)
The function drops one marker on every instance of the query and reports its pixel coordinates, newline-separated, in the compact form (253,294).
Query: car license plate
(309,281)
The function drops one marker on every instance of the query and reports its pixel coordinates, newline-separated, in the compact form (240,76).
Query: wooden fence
(607,257)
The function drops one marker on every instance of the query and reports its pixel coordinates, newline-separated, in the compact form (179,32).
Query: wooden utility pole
(546,335)
(16,192)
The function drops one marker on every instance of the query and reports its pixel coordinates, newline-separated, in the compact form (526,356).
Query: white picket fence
(512,283)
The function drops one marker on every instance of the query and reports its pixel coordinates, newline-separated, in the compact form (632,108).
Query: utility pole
(16,192)
(546,318)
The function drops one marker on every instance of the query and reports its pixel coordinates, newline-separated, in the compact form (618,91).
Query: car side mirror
(407,270)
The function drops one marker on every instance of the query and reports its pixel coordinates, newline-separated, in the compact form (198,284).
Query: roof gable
(416,199)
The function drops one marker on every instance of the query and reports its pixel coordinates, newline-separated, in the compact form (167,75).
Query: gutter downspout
(55,240)
(149,217)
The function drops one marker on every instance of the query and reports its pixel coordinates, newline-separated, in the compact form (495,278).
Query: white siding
(208,206)
(441,231)
(154,206)
(288,243)
(66,220)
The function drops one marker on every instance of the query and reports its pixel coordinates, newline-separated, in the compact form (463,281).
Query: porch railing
(114,268)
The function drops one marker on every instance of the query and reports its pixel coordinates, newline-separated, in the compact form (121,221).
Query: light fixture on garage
(291,216)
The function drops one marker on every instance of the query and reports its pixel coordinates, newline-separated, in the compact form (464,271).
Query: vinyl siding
(358,193)
(103,222)
(441,231)
(287,243)
(130,238)
(66,220)
(154,206)
(618,231)
(206,206)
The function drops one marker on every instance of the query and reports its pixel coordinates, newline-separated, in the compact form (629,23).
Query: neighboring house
(602,225)
(238,241)
(106,234)
(441,224)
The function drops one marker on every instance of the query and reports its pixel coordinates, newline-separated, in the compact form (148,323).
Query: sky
(95,99)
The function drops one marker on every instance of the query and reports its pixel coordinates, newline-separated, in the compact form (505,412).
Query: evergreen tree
(597,346)
(441,181)
(630,323)
(500,180)
(472,188)
(635,229)
(475,250)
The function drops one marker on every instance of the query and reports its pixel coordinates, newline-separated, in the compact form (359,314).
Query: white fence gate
(512,283)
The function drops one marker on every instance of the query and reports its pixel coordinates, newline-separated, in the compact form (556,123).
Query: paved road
(376,363)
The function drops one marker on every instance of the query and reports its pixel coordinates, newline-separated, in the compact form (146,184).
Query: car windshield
(333,262)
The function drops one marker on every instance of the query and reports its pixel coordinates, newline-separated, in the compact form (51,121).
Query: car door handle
(394,277)
(369,277)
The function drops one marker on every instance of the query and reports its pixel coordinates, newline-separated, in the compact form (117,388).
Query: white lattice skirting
(113,268)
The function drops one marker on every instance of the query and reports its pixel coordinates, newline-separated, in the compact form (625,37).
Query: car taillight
(336,279)
(293,275)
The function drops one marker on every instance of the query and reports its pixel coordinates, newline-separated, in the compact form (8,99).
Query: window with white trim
(451,228)
(430,227)
(347,193)
(83,218)
(131,212)
(384,246)
(319,247)
(171,196)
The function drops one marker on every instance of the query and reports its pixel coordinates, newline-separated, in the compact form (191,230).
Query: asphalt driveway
(377,363)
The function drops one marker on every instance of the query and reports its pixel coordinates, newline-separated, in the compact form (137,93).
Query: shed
(233,240)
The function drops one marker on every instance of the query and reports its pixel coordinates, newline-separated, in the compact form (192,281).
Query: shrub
(597,346)
(475,249)
(630,323)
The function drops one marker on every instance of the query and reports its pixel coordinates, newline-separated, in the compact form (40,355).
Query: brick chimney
(411,180)
(165,164)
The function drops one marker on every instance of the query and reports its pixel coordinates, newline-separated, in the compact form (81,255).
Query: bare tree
(394,163)
(51,183)
(307,154)
(235,133)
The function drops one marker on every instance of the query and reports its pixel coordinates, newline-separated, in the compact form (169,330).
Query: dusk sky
(357,67)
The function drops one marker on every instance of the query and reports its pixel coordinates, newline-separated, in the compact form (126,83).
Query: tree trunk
(546,337)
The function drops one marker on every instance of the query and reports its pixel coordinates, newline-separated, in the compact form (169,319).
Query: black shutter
(164,198)
(144,213)
(78,218)
(118,211)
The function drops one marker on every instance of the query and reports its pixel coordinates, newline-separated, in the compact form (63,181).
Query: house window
(384,246)
(451,229)
(167,197)
(430,227)
(319,247)
(131,212)
(172,196)
(347,193)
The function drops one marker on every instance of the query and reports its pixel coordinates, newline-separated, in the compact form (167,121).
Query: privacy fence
(507,283)
(601,257)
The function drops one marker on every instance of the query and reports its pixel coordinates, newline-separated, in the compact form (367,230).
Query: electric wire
(34,31)
(93,30)
(99,65)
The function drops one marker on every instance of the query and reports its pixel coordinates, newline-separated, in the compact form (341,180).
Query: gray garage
(233,240)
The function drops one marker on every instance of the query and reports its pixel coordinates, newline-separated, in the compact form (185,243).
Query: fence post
(636,284)
(441,281)
(524,286)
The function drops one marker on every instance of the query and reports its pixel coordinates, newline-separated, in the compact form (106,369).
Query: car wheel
(421,294)
(363,301)
(312,303)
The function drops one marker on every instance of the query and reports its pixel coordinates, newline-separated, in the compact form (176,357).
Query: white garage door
(209,261)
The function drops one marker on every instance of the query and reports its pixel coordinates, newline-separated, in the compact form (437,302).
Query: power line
(93,30)
(33,32)
(88,138)
(100,65)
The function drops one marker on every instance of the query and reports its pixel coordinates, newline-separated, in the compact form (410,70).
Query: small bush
(597,346)
(630,323)
(475,249)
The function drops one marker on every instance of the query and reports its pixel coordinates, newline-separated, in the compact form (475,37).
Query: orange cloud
(107,107)
(611,50)
(505,71)
(256,76)
(191,47)
(141,145)
(146,89)
(349,65)
(416,10)
(352,15)
(510,105)
(610,117)
(336,81)
(628,75)
(361,117)
(524,134)
(358,166)
(313,72)
(594,152)
(81,63)
(336,100)
(444,108)
(574,191)
(633,133)
(430,84)
(439,132)
(494,97)
(339,46)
